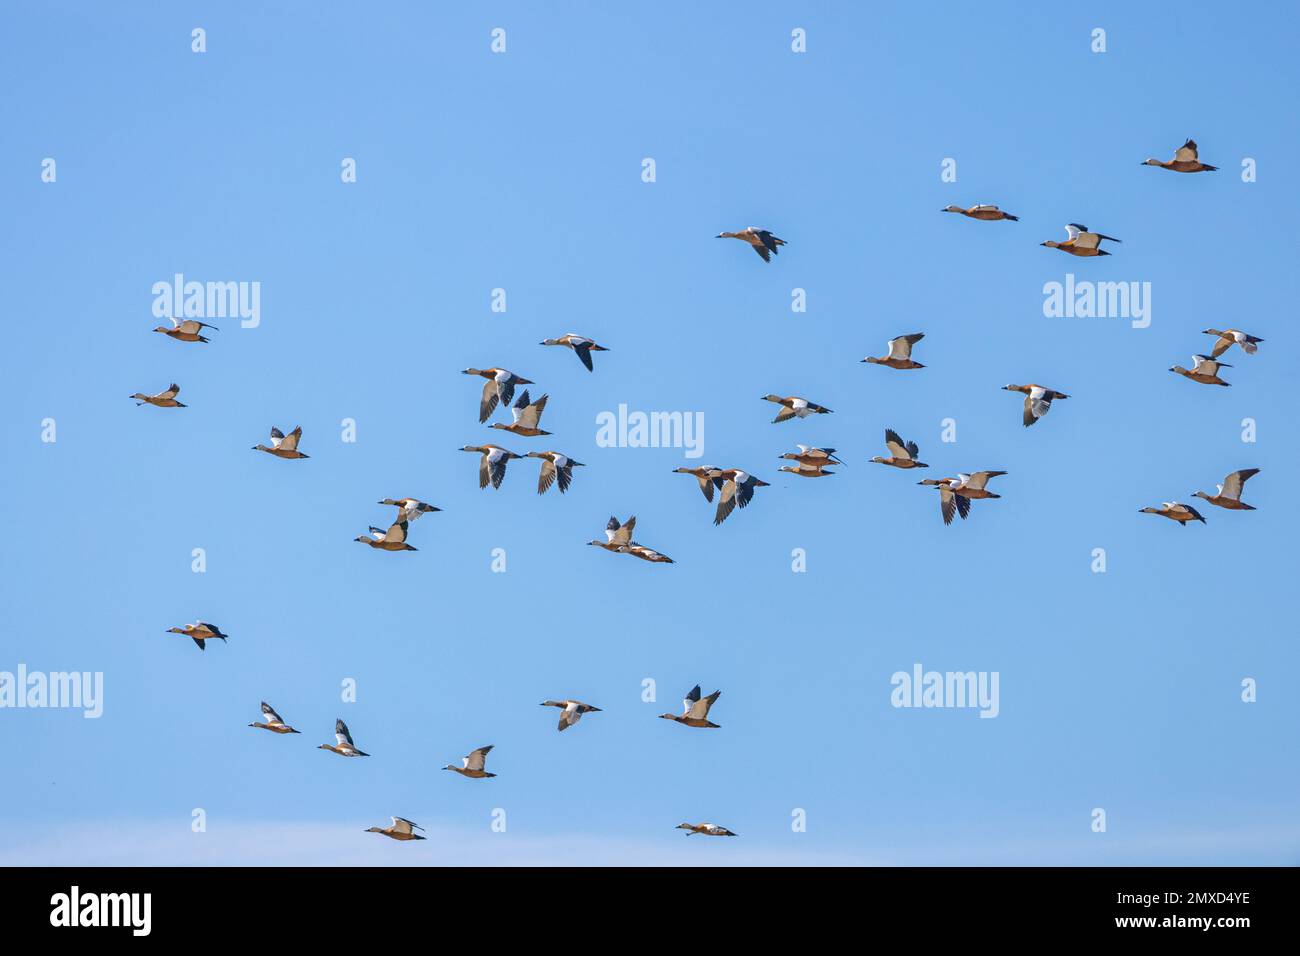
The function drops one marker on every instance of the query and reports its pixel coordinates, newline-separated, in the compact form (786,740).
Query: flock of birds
(733,487)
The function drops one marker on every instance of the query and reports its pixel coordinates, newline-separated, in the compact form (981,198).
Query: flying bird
(282,445)
(792,406)
(394,539)
(472,764)
(343,746)
(1230,337)
(400,830)
(1080,242)
(950,503)
(581,345)
(409,509)
(985,212)
(492,466)
(1186,160)
(1205,370)
(900,352)
(1175,511)
(527,416)
(187,331)
(695,711)
(500,384)
(271,721)
(618,538)
(760,240)
(1038,400)
(812,456)
(708,829)
(165,399)
(1229,493)
(554,466)
(901,454)
(806,471)
(571,711)
(737,489)
(705,475)
(200,631)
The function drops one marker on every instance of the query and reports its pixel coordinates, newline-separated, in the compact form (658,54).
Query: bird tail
(1006,215)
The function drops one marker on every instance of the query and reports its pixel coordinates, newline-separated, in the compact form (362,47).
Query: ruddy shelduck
(900,352)
(1080,242)
(500,385)
(901,454)
(706,475)
(581,345)
(200,632)
(472,764)
(402,829)
(1175,511)
(1186,160)
(737,488)
(760,240)
(792,406)
(1204,370)
(394,539)
(806,471)
(972,485)
(986,212)
(949,502)
(1229,493)
(187,331)
(164,399)
(343,745)
(1230,337)
(812,456)
(571,711)
(272,721)
(555,466)
(527,417)
(282,445)
(492,466)
(409,509)
(695,711)
(1038,400)
(618,538)
(708,829)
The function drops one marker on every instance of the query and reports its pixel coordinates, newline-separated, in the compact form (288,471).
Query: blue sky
(522,171)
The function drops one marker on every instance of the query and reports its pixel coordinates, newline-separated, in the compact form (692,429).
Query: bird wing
(488,402)
(690,700)
(342,735)
(546,477)
(700,709)
(475,758)
(290,442)
(621,534)
(726,501)
(1073,230)
(895,444)
(1233,484)
(565,474)
(531,414)
(1186,153)
(784,415)
(172,391)
(271,716)
(583,351)
(947,503)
